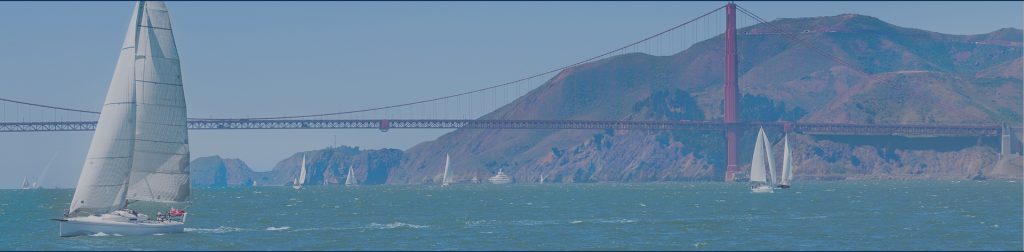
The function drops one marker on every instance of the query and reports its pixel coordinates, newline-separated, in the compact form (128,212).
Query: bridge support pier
(731,93)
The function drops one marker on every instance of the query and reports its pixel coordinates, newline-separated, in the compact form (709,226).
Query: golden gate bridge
(458,111)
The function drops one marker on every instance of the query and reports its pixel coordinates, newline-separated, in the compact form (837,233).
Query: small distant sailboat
(140,150)
(500,178)
(297,184)
(475,180)
(25,184)
(542,178)
(787,164)
(350,179)
(444,179)
(761,176)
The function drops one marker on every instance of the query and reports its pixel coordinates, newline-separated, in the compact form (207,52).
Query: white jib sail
(757,169)
(160,169)
(770,159)
(787,163)
(103,184)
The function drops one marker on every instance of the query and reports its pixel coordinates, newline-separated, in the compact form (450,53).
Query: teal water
(850,215)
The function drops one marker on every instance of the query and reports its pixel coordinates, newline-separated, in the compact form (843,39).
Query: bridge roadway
(910,130)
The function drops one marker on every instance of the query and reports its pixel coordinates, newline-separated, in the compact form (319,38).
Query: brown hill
(899,75)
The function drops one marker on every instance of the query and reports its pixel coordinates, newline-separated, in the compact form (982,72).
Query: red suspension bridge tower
(731,106)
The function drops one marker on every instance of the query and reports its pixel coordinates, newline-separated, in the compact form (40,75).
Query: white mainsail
(444,178)
(103,184)
(757,166)
(25,184)
(160,167)
(787,163)
(140,148)
(350,179)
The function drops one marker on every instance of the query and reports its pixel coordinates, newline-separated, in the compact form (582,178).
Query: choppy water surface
(862,215)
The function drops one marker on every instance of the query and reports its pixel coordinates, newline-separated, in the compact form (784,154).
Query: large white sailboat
(140,150)
(445,181)
(762,176)
(350,179)
(297,184)
(787,165)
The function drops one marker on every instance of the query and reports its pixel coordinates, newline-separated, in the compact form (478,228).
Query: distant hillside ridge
(899,76)
(903,75)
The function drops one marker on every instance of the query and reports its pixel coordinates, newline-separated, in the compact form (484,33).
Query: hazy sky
(275,58)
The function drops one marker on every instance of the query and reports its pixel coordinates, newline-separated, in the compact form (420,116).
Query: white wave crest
(218,230)
(532,222)
(394,225)
(616,221)
(277,228)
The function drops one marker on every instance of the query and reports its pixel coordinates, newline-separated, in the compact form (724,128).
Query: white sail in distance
(302,171)
(757,166)
(444,178)
(350,179)
(787,163)
(103,184)
(160,167)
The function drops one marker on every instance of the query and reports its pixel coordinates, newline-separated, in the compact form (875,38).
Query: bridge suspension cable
(48,106)
(458,96)
(590,59)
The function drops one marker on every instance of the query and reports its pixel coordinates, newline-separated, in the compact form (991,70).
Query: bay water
(836,215)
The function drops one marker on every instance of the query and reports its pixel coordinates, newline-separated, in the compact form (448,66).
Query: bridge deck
(804,128)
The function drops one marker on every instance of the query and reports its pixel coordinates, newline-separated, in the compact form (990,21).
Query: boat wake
(278,228)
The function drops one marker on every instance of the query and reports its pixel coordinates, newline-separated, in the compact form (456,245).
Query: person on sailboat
(176,212)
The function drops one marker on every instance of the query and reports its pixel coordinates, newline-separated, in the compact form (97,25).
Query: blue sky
(276,58)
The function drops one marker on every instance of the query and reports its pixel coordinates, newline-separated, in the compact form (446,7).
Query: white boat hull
(762,189)
(94,225)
